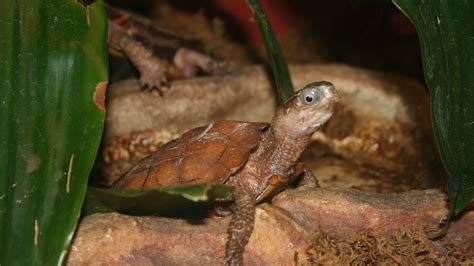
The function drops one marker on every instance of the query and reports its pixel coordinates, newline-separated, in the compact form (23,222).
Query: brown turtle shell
(208,154)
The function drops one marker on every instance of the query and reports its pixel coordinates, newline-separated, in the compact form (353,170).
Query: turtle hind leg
(240,226)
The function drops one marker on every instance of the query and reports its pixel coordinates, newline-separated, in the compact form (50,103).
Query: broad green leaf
(446,32)
(282,77)
(53,65)
(152,202)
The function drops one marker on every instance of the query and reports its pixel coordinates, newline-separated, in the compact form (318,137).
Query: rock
(344,212)
(119,239)
(247,94)
(189,103)
(303,225)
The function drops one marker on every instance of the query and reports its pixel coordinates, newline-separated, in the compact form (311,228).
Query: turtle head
(306,111)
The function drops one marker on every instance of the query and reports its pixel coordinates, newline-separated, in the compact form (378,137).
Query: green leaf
(53,57)
(446,32)
(183,199)
(282,77)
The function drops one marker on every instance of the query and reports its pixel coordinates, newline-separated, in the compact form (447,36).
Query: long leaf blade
(282,77)
(53,65)
(446,32)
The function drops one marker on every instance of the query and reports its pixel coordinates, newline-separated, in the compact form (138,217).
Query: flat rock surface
(119,239)
(344,212)
(349,209)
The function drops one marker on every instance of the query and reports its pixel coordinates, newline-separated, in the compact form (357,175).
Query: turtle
(258,159)
(157,54)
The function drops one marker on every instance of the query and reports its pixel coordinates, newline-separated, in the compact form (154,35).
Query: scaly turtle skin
(258,159)
(157,54)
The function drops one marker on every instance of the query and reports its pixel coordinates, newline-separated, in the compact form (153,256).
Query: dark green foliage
(282,77)
(446,32)
(53,55)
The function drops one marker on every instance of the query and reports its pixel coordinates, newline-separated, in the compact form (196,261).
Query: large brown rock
(247,94)
(349,210)
(119,239)
(284,234)
(344,212)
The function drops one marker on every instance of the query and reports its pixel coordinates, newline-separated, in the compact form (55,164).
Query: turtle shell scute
(209,154)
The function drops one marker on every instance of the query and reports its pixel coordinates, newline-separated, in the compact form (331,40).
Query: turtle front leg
(240,226)
(152,71)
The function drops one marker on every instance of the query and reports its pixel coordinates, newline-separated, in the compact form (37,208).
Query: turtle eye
(309,96)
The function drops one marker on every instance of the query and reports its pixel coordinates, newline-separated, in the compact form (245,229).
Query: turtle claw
(153,83)
(153,79)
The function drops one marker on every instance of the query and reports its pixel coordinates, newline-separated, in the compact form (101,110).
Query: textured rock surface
(247,94)
(283,235)
(348,210)
(344,212)
(118,239)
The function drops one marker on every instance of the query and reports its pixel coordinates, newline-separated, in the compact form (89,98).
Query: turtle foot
(153,76)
